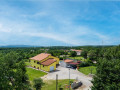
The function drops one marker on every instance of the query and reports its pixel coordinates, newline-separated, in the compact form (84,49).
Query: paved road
(63,73)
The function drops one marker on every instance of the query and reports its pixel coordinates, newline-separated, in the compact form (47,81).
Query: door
(51,68)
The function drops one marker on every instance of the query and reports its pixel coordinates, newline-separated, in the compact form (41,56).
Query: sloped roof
(68,60)
(40,57)
(48,62)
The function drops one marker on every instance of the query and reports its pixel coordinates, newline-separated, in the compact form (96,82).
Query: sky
(59,22)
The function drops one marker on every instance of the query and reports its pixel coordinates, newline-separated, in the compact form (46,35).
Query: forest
(13,68)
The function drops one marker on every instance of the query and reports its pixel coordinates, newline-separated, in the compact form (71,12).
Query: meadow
(87,70)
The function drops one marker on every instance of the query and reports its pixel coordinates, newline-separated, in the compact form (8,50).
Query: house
(65,63)
(44,61)
(68,63)
(77,51)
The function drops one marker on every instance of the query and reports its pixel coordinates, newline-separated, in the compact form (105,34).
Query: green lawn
(32,73)
(78,58)
(87,70)
(51,84)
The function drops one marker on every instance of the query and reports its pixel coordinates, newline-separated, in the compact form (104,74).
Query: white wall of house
(63,64)
(78,53)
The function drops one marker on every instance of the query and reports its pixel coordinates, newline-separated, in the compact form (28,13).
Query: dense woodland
(13,72)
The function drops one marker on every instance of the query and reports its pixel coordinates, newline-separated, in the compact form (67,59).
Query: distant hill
(14,46)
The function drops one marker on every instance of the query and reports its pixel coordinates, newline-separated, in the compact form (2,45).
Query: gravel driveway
(63,73)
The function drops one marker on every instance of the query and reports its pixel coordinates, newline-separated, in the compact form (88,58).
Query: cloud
(35,15)
(56,37)
(4,29)
(70,35)
(59,23)
(75,37)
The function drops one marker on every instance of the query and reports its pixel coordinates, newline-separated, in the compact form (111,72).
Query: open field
(51,84)
(87,70)
(32,73)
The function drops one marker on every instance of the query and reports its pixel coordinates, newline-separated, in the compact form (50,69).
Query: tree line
(13,72)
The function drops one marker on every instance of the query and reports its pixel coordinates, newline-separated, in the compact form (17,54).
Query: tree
(73,54)
(13,73)
(108,75)
(84,54)
(92,54)
(38,82)
(21,78)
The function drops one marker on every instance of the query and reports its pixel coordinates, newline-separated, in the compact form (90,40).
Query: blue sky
(59,22)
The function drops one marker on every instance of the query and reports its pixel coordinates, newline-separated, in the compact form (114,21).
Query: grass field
(87,70)
(32,73)
(51,84)
(78,58)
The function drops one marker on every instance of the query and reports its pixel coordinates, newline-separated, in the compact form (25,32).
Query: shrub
(38,82)
(84,64)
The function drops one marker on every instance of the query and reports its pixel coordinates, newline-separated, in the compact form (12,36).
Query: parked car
(75,85)
(69,66)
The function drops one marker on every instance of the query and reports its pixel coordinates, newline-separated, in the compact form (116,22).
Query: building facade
(77,51)
(44,61)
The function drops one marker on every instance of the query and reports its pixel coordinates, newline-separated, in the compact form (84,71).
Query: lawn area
(87,70)
(51,84)
(78,58)
(32,73)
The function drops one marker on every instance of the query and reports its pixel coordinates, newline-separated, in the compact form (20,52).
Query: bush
(84,64)
(60,87)
(61,58)
(38,82)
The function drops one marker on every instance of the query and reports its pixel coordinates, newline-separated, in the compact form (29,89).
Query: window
(34,61)
(38,63)
(43,65)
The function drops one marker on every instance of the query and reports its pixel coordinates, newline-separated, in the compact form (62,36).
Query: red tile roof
(68,60)
(40,57)
(48,62)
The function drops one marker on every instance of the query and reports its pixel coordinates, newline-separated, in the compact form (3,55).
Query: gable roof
(48,62)
(68,60)
(40,57)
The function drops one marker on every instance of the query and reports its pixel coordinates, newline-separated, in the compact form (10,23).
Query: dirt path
(63,73)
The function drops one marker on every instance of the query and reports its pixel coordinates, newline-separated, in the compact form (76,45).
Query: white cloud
(71,35)
(59,26)
(35,15)
(4,29)
(53,36)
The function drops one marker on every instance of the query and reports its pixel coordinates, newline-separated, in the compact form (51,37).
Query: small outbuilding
(65,63)
(68,63)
